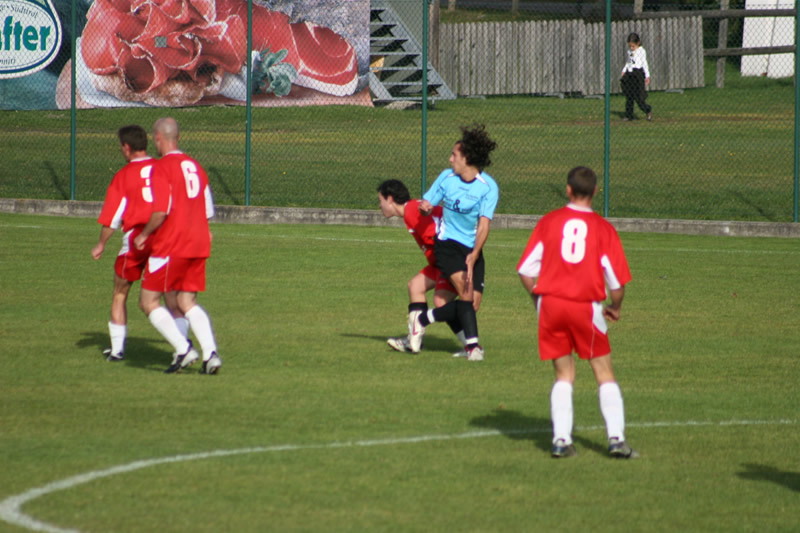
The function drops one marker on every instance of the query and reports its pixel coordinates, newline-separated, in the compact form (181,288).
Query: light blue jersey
(464,203)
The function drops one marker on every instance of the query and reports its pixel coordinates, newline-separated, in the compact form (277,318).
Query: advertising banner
(170,53)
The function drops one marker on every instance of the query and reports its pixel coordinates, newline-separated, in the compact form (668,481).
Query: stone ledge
(306,215)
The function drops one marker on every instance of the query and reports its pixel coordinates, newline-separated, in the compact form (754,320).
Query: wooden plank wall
(565,56)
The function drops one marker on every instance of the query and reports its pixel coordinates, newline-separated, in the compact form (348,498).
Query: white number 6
(191,177)
(573,245)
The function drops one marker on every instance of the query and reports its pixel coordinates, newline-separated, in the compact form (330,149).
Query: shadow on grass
(517,426)
(429,344)
(754,472)
(139,352)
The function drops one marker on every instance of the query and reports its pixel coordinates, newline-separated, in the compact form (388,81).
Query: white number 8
(191,177)
(573,245)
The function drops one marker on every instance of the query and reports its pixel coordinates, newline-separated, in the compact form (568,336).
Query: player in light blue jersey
(469,197)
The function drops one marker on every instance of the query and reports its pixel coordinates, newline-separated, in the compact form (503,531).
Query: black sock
(418,306)
(468,319)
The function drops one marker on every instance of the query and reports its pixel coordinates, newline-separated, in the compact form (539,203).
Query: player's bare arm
(156,219)
(612,311)
(529,283)
(105,234)
(425,207)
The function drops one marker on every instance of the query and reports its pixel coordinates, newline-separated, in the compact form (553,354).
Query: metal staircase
(396,61)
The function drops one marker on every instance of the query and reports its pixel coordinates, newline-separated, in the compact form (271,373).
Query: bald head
(165,135)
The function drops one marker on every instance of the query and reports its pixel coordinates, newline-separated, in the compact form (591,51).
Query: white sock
(613,410)
(183,326)
(462,338)
(201,327)
(117,333)
(429,314)
(163,322)
(561,411)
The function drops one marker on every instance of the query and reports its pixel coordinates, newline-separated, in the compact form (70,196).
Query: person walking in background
(636,78)
(128,204)
(182,205)
(571,256)
(396,201)
(469,197)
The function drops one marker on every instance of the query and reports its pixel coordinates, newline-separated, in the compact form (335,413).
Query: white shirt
(637,59)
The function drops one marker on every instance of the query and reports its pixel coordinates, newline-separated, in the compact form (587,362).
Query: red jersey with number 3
(129,198)
(574,252)
(181,189)
(422,227)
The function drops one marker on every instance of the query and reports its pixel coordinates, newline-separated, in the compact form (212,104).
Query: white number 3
(573,245)
(191,177)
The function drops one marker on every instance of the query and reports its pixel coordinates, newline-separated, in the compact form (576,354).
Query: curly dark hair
(476,145)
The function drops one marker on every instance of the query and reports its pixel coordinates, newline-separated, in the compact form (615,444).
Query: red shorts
(165,274)
(566,326)
(130,262)
(442,283)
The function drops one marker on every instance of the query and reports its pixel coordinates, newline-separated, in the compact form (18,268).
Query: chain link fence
(333,105)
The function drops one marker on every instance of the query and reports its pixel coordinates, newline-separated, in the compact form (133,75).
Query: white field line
(11,507)
(521,246)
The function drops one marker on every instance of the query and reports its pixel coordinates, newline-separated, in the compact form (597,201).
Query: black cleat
(561,450)
(619,449)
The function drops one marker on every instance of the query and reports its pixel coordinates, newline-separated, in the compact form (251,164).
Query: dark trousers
(634,91)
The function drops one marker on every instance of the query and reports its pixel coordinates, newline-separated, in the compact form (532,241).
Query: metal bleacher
(396,61)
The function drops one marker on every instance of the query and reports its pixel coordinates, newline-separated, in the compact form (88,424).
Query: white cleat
(415,331)
(463,353)
(475,354)
(399,344)
(213,364)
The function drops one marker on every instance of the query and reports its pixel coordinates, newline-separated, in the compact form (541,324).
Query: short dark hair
(134,136)
(633,38)
(396,189)
(476,145)
(582,181)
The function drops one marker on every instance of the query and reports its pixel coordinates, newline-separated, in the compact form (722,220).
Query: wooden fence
(565,56)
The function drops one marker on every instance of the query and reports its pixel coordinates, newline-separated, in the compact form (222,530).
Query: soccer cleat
(462,353)
(415,331)
(400,344)
(212,365)
(179,362)
(562,450)
(475,353)
(113,357)
(649,117)
(619,449)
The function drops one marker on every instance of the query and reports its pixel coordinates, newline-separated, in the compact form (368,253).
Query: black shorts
(451,258)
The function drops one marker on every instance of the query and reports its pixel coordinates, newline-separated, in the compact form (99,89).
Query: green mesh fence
(335,91)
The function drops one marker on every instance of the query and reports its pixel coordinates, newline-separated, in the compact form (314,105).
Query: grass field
(313,424)
(708,154)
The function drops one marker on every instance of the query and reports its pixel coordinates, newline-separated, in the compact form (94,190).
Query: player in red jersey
(128,204)
(396,201)
(182,205)
(571,257)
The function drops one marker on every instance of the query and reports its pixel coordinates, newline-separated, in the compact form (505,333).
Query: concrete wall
(296,215)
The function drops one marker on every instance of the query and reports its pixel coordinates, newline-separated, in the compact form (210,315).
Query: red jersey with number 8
(181,189)
(574,252)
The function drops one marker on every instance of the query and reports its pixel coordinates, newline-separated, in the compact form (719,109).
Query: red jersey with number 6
(129,198)
(181,189)
(423,228)
(574,253)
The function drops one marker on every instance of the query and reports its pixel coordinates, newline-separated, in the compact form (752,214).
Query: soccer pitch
(314,424)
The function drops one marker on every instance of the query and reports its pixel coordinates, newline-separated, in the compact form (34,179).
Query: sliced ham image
(150,43)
